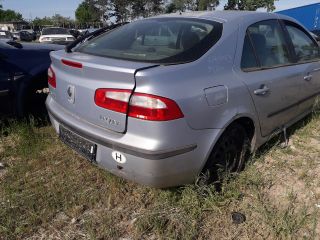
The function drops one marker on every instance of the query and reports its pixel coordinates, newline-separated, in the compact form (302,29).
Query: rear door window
(248,60)
(158,40)
(269,44)
(305,48)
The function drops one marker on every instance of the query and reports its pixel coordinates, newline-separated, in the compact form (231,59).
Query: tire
(227,157)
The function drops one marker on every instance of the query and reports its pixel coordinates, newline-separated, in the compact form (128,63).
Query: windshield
(158,40)
(52,31)
(5,34)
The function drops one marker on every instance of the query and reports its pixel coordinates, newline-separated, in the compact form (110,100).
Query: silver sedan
(167,100)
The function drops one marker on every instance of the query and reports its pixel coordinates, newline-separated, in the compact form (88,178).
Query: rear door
(267,71)
(306,52)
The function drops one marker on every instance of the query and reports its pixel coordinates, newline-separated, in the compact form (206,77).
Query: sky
(41,8)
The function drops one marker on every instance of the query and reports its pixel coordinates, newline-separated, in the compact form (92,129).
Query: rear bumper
(63,42)
(157,168)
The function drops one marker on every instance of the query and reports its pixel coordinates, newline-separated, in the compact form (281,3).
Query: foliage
(87,12)
(125,10)
(250,5)
(94,11)
(191,5)
(56,20)
(205,4)
(146,8)
(9,15)
(42,21)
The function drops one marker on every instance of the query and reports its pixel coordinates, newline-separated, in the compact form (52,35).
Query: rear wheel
(228,155)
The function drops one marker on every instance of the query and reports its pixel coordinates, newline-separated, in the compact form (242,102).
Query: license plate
(84,147)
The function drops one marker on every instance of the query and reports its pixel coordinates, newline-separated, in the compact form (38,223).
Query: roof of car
(224,16)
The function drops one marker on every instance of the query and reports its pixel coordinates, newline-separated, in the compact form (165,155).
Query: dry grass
(48,192)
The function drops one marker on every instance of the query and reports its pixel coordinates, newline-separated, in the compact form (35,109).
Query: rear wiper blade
(94,34)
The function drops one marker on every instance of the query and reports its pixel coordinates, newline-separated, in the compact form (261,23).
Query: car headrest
(189,39)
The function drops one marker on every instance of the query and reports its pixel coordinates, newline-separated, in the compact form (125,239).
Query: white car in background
(6,35)
(56,35)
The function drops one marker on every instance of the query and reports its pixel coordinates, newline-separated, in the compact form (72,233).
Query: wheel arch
(251,126)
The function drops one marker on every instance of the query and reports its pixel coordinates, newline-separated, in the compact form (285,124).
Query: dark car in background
(75,33)
(24,36)
(23,72)
(32,33)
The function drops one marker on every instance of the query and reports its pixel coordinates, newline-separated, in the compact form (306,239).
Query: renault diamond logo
(71,93)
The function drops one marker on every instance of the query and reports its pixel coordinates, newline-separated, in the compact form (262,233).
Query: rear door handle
(262,91)
(308,77)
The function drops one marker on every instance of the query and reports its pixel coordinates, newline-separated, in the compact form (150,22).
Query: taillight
(153,108)
(52,78)
(142,106)
(113,99)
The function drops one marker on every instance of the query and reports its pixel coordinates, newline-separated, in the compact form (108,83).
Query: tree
(9,15)
(125,10)
(119,10)
(181,5)
(171,8)
(250,5)
(145,8)
(204,5)
(61,21)
(87,12)
(191,5)
(56,20)
(40,22)
(103,6)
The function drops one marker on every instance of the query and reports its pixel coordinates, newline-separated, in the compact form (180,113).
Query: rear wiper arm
(94,34)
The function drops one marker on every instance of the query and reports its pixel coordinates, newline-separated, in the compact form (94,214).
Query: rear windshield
(159,40)
(52,31)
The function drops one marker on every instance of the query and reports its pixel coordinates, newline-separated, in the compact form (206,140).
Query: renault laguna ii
(164,100)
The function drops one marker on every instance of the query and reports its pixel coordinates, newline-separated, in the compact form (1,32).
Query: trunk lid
(76,86)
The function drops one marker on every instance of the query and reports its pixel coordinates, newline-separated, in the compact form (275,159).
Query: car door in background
(5,78)
(269,73)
